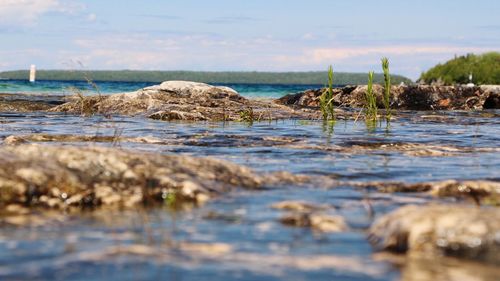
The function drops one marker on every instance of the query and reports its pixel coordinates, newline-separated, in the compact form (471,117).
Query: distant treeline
(306,78)
(485,69)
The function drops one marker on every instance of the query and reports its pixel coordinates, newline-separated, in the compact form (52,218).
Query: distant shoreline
(271,78)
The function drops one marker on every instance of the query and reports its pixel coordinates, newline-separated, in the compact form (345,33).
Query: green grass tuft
(371,100)
(326,99)
(387,88)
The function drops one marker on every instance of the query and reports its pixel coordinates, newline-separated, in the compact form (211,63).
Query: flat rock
(66,176)
(28,102)
(440,230)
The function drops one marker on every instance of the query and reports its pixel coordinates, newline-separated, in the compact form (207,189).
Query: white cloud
(91,17)
(409,60)
(180,51)
(27,12)
(325,55)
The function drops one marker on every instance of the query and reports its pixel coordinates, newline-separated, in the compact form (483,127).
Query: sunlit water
(68,247)
(104,87)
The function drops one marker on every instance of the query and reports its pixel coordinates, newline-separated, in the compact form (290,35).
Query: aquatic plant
(326,98)
(387,88)
(371,100)
(247,115)
(170,198)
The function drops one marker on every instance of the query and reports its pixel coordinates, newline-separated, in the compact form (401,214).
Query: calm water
(77,246)
(68,87)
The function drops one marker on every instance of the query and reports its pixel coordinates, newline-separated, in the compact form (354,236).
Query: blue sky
(265,35)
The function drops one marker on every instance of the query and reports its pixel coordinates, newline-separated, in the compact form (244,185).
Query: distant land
(485,69)
(300,78)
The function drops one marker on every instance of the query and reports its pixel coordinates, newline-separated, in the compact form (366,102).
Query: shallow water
(103,245)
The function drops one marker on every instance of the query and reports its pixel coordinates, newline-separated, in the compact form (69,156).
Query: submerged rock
(181,100)
(299,206)
(305,214)
(319,222)
(440,230)
(419,97)
(64,176)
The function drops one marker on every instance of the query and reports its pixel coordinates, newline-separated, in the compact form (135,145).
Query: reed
(371,100)
(387,88)
(326,99)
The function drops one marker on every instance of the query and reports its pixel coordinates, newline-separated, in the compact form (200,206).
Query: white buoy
(470,84)
(32,73)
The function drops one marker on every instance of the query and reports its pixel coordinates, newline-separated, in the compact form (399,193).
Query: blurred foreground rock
(65,176)
(440,230)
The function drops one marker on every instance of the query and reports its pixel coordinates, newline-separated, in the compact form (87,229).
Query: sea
(51,87)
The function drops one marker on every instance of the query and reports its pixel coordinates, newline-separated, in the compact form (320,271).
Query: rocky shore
(191,101)
(457,218)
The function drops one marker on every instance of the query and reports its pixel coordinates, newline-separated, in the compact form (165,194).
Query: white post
(32,73)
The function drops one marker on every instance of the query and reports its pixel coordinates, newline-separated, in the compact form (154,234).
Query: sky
(244,35)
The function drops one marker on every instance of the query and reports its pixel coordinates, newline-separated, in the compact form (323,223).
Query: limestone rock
(56,176)
(414,97)
(435,230)
(180,100)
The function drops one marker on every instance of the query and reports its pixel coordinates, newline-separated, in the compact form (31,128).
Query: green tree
(485,69)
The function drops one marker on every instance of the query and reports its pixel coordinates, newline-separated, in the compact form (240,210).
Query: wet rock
(440,230)
(415,97)
(319,222)
(64,176)
(23,106)
(181,100)
(492,100)
(22,139)
(298,206)
(27,102)
(477,190)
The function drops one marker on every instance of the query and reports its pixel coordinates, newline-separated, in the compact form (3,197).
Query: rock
(55,176)
(298,206)
(27,102)
(418,97)
(440,230)
(319,222)
(22,139)
(181,100)
(480,191)
(475,189)
(492,100)
(14,140)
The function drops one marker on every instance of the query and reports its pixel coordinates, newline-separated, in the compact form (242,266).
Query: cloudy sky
(266,35)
